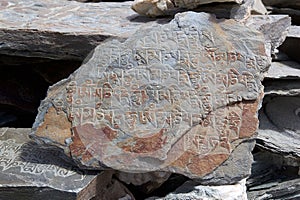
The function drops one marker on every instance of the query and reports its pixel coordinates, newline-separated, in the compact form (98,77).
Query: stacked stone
(161,108)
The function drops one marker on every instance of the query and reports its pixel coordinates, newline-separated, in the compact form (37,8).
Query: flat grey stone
(273,177)
(284,70)
(61,29)
(278,190)
(279,129)
(240,160)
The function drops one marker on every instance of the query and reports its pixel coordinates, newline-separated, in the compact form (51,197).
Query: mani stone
(178,97)
(29,171)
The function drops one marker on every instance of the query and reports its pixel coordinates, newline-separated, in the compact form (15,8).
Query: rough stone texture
(277,191)
(164,7)
(291,44)
(274,27)
(240,160)
(177,97)
(273,178)
(279,129)
(285,69)
(190,190)
(30,171)
(61,29)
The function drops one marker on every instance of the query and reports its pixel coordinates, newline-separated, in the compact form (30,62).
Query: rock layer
(177,97)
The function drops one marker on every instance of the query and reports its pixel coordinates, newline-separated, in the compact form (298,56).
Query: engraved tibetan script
(174,91)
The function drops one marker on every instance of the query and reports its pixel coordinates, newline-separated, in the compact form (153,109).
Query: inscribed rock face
(177,97)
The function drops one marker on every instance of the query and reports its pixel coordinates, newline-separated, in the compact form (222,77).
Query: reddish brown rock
(178,97)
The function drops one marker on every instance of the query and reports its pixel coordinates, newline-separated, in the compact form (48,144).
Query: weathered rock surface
(191,190)
(239,161)
(274,27)
(273,178)
(30,171)
(177,97)
(279,129)
(291,44)
(60,29)
(284,70)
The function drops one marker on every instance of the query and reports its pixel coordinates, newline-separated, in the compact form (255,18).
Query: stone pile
(202,102)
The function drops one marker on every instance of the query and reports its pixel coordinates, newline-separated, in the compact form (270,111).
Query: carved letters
(167,93)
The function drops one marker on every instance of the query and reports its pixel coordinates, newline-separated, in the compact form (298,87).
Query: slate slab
(178,97)
(61,29)
(31,171)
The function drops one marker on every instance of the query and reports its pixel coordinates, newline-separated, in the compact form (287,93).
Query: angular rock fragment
(258,7)
(284,70)
(274,27)
(289,189)
(283,78)
(191,190)
(239,161)
(29,171)
(178,97)
(239,12)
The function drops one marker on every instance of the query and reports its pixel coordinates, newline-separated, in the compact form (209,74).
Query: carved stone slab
(177,97)
(30,171)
